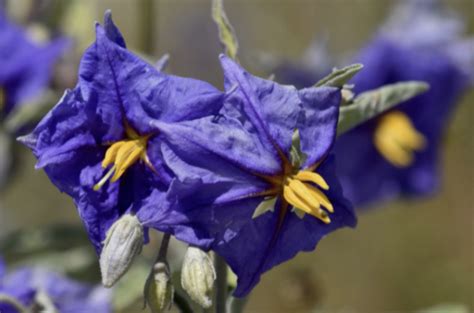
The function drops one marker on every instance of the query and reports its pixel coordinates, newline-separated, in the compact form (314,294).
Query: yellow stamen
(321,197)
(397,139)
(301,190)
(127,155)
(312,177)
(307,198)
(123,154)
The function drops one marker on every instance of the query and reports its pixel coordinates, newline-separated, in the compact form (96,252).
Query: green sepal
(339,77)
(227,35)
(371,103)
(297,157)
(266,205)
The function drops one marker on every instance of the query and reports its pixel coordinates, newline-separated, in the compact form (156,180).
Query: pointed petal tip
(107,16)
(28,140)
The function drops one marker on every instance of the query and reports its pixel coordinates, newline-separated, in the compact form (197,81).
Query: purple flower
(398,152)
(98,144)
(34,287)
(247,196)
(26,66)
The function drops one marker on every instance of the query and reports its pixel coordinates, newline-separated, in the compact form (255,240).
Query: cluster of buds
(124,241)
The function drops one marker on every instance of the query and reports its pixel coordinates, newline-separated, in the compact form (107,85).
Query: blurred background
(402,257)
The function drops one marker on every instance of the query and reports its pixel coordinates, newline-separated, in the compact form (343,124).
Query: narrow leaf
(226,32)
(373,102)
(339,77)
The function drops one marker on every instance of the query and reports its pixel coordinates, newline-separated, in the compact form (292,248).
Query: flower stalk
(221,283)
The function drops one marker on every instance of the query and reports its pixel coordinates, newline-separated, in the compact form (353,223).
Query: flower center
(397,139)
(123,154)
(299,191)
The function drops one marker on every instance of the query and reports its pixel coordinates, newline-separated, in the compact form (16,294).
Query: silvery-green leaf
(226,31)
(371,103)
(339,77)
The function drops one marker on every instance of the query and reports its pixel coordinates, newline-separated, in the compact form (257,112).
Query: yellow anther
(123,154)
(127,155)
(301,190)
(397,139)
(312,177)
(111,153)
(321,197)
(295,201)
(307,198)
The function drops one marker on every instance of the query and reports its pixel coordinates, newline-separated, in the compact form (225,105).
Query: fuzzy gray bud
(159,289)
(198,276)
(124,241)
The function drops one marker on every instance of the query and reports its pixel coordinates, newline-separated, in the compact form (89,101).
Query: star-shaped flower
(98,145)
(246,181)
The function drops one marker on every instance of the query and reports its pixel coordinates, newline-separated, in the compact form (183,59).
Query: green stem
(221,284)
(165,242)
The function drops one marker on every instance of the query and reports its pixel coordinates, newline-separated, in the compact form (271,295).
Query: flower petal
(318,121)
(270,110)
(122,80)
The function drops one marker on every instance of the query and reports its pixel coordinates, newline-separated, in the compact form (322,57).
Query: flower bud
(159,288)
(198,276)
(123,242)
